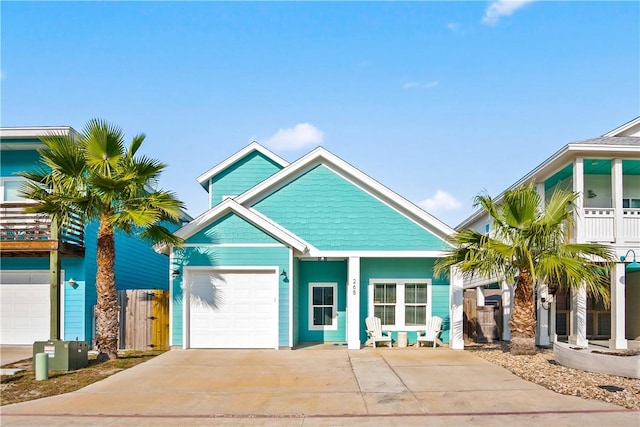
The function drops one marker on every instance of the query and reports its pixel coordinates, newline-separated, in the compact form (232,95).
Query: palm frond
(103,145)
(159,234)
(136,142)
(527,237)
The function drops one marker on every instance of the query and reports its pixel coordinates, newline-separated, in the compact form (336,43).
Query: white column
(541,193)
(172,265)
(578,187)
(353,304)
(552,320)
(542,324)
(618,302)
(479,297)
(291,302)
(578,335)
(507,306)
(616,194)
(456,339)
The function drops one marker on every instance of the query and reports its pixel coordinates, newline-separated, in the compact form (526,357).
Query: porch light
(285,279)
(634,265)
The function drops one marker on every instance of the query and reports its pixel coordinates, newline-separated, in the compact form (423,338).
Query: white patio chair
(430,334)
(375,332)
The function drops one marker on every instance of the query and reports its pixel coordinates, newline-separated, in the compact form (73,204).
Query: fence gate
(144,319)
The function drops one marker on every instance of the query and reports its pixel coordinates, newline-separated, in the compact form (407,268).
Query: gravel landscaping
(542,369)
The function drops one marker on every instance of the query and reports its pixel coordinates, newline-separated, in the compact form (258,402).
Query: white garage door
(24,307)
(233,309)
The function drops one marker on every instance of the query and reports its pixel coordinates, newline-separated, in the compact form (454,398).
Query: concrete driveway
(318,385)
(14,353)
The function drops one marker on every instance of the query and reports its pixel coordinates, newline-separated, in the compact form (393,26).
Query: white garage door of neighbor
(233,309)
(24,307)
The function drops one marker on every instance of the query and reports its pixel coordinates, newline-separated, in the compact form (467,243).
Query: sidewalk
(316,386)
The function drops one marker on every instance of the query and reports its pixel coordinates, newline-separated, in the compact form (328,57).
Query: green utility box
(63,355)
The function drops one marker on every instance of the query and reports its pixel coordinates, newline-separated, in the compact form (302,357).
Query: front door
(322,301)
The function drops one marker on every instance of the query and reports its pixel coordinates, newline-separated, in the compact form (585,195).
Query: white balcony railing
(599,225)
(631,225)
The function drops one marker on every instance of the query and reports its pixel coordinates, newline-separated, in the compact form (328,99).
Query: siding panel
(241,176)
(231,229)
(331,213)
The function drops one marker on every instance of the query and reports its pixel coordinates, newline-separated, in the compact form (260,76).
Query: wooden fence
(481,324)
(144,319)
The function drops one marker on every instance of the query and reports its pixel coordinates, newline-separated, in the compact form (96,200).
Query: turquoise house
(26,245)
(303,252)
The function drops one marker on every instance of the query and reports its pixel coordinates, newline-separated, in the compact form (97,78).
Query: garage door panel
(233,310)
(25,308)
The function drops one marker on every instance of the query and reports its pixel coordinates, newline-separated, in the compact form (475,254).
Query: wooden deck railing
(16,225)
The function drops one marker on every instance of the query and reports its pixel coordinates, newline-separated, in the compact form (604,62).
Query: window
(630,203)
(401,304)
(11,189)
(322,306)
(415,304)
(384,302)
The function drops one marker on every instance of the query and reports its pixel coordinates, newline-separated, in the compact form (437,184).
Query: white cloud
(299,136)
(3,75)
(412,85)
(453,26)
(501,8)
(441,201)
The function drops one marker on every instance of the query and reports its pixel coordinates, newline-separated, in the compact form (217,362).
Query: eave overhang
(322,156)
(253,217)
(254,146)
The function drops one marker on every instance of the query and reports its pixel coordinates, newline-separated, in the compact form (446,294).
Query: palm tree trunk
(107,312)
(523,319)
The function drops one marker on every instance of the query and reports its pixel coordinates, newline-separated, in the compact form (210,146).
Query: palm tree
(529,245)
(94,176)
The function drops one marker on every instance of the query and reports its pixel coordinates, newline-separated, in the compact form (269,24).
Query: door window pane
(323,307)
(322,295)
(322,316)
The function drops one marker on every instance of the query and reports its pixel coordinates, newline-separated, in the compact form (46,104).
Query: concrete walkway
(316,386)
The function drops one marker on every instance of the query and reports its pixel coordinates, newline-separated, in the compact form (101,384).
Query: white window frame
(334,314)
(400,324)
(4,180)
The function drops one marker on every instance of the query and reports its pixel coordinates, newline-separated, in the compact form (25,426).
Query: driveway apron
(317,385)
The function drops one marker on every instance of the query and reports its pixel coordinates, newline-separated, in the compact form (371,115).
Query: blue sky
(439,101)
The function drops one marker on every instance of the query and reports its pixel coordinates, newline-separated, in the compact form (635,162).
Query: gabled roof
(230,205)
(322,156)
(254,146)
(630,128)
(604,146)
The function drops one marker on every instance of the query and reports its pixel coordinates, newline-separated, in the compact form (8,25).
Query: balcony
(599,225)
(25,234)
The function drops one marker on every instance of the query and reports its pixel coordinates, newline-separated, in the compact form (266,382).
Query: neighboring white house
(605,172)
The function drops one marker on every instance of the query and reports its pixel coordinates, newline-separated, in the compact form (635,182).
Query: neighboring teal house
(26,245)
(605,173)
(304,252)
